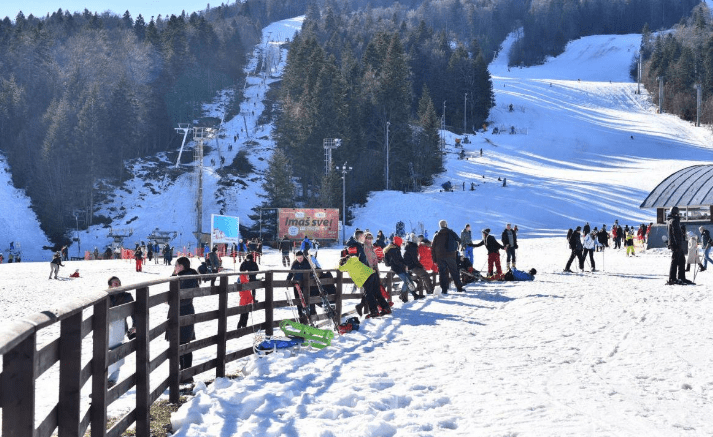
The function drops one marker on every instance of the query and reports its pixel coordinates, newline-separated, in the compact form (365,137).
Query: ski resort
(197,308)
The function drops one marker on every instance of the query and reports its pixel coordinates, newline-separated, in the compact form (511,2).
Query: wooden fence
(23,364)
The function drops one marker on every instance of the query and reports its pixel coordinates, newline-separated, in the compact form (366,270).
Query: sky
(147,8)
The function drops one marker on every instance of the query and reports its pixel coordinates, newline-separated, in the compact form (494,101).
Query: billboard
(224,229)
(314,223)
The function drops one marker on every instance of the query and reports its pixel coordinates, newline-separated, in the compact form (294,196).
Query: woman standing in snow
(590,245)
(55,264)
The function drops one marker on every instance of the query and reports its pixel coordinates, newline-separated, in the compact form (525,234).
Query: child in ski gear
(366,278)
(55,264)
(444,250)
(630,243)
(575,245)
(589,246)
(509,239)
(75,274)
(465,239)
(393,259)
(493,247)
(187,333)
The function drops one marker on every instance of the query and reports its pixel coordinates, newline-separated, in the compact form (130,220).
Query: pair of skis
(328,308)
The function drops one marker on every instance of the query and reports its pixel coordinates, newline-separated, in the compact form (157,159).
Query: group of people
(240,249)
(584,241)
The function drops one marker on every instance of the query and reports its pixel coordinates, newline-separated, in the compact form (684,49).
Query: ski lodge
(691,190)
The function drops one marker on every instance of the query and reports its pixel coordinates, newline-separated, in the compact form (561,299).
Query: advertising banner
(224,229)
(314,223)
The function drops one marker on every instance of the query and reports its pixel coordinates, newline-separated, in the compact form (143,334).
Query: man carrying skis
(493,247)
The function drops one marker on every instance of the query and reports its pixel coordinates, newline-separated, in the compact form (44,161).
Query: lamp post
(344,169)
(388,123)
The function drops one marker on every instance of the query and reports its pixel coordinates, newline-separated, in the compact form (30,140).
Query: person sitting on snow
(75,274)
(519,275)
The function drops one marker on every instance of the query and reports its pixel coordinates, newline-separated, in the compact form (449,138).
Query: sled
(315,337)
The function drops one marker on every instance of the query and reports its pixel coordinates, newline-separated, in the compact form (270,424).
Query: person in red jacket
(425,256)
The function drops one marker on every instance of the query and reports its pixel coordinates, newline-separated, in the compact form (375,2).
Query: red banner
(316,224)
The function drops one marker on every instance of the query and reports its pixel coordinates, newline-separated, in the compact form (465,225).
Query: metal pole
(465,100)
(698,104)
(344,202)
(387,154)
(638,76)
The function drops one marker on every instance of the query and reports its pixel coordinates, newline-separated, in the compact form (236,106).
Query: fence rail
(23,363)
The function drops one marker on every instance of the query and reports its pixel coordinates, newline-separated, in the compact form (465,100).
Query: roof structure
(691,186)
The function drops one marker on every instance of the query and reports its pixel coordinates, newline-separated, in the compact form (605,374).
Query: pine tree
(279,188)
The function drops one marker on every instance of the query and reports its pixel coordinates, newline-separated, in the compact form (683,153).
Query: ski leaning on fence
(328,308)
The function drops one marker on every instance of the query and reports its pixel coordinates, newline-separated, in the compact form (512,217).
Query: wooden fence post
(222,326)
(338,297)
(143,358)
(269,304)
(100,359)
(390,284)
(18,389)
(174,377)
(70,367)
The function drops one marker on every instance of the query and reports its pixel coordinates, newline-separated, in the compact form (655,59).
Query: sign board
(224,229)
(314,223)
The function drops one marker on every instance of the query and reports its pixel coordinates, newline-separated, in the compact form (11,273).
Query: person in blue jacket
(306,245)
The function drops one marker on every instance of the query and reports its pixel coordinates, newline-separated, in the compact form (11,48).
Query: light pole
(79,246)
(344,169)
(465,100)
(388,123)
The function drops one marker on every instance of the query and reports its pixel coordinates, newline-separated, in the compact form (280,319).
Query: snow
(18,222)
(614,352)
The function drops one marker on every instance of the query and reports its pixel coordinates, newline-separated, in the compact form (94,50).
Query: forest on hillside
(683,59)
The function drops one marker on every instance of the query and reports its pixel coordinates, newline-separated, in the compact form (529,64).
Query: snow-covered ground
(608,353)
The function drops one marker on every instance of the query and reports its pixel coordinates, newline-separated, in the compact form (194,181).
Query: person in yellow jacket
(630,243)
(365,277)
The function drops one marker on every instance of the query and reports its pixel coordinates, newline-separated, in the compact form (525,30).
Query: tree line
(548,26)
(683,59)
(364,77)
(83,93)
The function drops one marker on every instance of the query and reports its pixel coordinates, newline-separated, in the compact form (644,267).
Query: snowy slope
(18,223)
(573,159)
(153,199)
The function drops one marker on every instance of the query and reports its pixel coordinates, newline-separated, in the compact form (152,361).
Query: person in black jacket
(393,259)
(509,239)
(603,237)
(249,265)
(55,264)
(187,333)
(300,263)
(679,246)
(355,246)
(575,245)
(444,249)
(380,239)
(493,247)
(285,246)
(415,266)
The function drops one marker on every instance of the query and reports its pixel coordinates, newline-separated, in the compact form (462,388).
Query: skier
(306,245)
(393,259)
(678,245)
(366,278)
(509,239)
(55,264)
(575,245)
(444,249)
(493,247)
(465,240)
(630,243)
(706,244)
(590,245)
(284,247)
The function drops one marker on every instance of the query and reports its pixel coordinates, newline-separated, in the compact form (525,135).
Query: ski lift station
(691,190)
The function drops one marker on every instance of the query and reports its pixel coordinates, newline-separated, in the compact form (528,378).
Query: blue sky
(147,8)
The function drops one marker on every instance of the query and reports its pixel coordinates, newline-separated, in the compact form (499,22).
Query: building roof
(691,186)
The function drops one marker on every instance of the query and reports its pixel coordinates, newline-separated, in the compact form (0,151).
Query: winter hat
(398,241)
(250,256)
(443,224)
(533,272)
(578,228)
(486,231)
(299,253)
